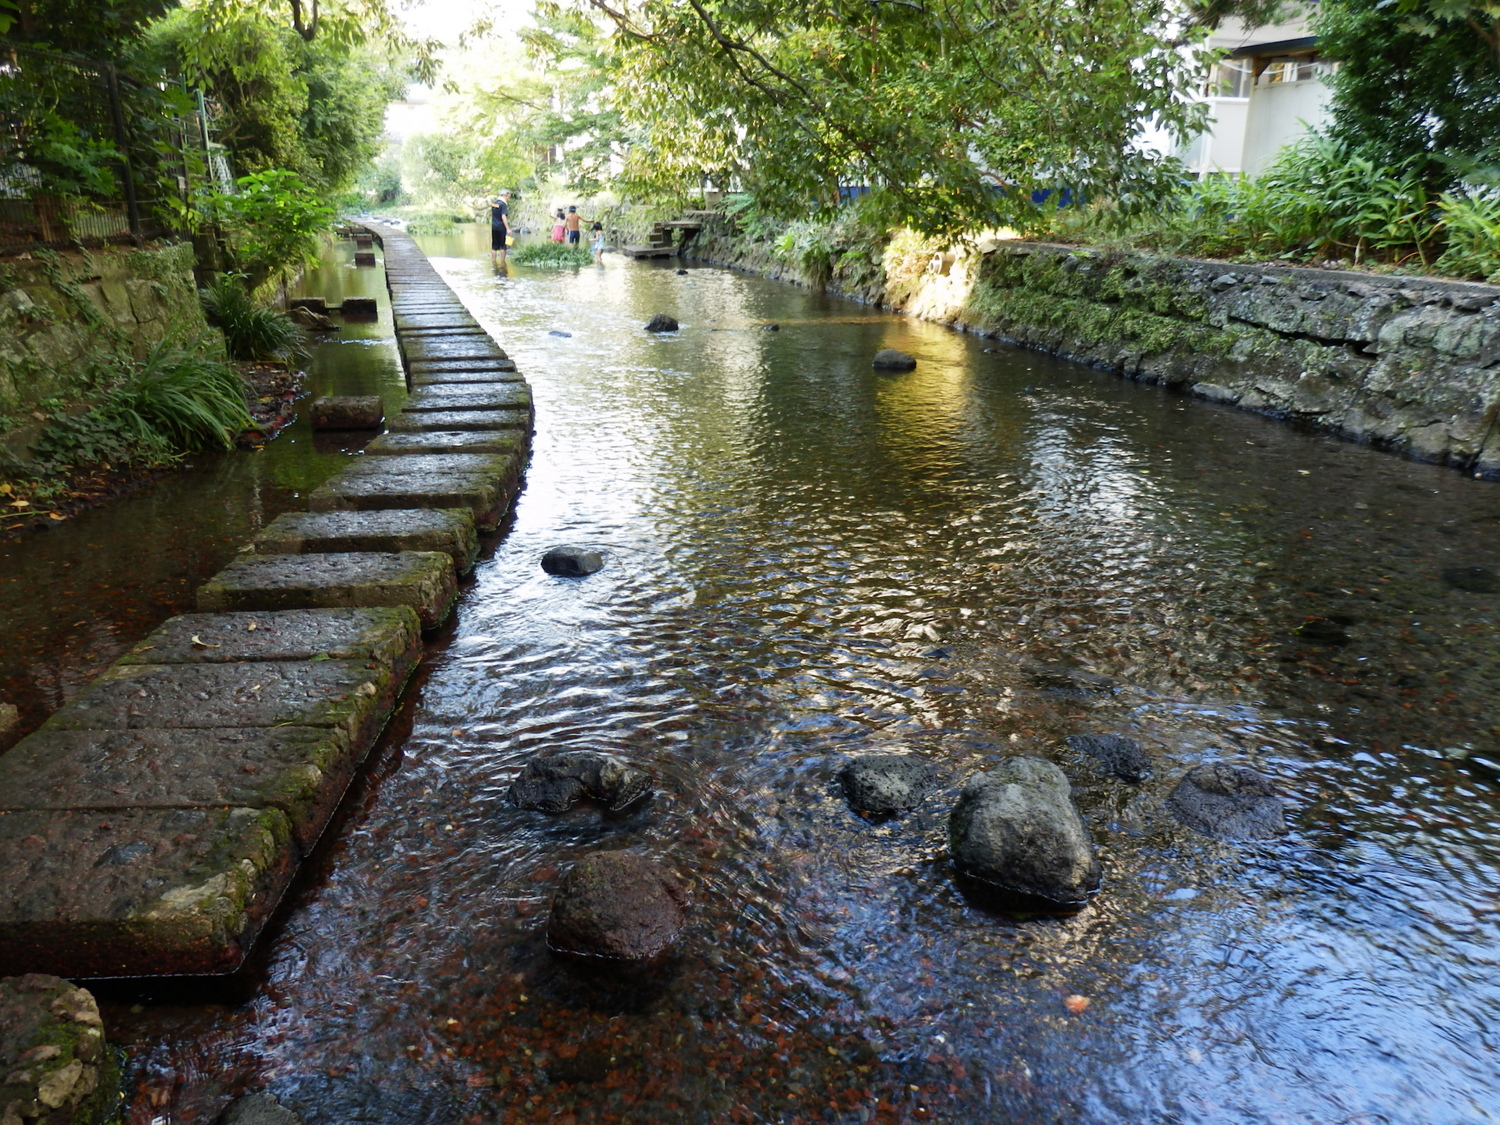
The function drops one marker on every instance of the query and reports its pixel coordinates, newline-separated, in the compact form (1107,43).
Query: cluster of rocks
(1014,828)
(55,1066)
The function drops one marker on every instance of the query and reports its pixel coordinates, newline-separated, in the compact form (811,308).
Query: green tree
(1417,80)
(956,112)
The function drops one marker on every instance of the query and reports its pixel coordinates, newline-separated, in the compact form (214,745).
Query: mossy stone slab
(503,372)
(424,580)
(511,442)
(303,771)
(346,697)
(472,464)
(486,495)
(449,530)
(139,892)
(425,421)
(506,396)
(385,635)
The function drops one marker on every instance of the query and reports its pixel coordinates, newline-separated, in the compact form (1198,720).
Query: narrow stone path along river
(806,560)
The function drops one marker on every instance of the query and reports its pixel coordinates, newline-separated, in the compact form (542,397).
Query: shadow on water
(979,558)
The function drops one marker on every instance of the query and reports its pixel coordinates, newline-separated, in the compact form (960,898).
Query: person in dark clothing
(499,228)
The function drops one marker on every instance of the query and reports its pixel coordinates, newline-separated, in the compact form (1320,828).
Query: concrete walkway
(152,825)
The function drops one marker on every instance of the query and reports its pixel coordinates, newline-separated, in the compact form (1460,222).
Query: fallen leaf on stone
(20,503)
(318,656)
(1075,1003)
(56,516)
(202,643)
(1304,472)
(250,627)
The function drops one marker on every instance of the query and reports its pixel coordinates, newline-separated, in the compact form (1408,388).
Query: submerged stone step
(349,698)
(486,495)
(423,580)
(423,421)
(456,441)
(395,529)
(128,892)
(302,771)
(501,396)
(387,635)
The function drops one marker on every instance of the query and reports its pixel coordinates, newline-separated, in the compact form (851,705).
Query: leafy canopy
(954,111)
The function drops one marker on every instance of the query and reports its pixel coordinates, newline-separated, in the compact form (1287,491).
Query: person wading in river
(574,222)
(499,228)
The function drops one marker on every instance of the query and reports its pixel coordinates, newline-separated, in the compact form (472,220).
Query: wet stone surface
(422,421)
(131,891)
(1121,756)
(302,771)
(383,635)
(55,1066)
(661,322)
(458,441)
(258,1109)
(499,371)
(448,397)
(886,784)
(617,905)
(1228,802)
(486,495)
(556,782)
(423,580)
(347,412)
(572,562)
(889,359)
(394,529)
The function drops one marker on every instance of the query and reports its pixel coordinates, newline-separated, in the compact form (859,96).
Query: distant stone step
(496,371)
(494,396)
(511,441)
(485,494)
(397,529)
(425,421)
(423,580)
(646,251)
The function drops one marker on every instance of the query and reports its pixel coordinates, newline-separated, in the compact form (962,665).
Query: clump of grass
(558,255)
(251,330)
(177,400)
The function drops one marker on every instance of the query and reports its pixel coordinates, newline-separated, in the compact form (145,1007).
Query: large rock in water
(661,322)
(571,562)
(258,1109)
(890,359)
(1015,829)
(617,905)
(554,783)
(1228,802)
(885,784)
(1121,756)
(54,1066)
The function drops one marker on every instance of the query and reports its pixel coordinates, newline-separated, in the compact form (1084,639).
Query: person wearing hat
(500,228)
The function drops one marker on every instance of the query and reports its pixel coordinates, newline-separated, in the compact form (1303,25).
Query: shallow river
(806,560)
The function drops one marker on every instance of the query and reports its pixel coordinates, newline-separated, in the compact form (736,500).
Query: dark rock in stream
(770,328)
(571,562)
(1325,630)
(557,782)
(617,905)
(258,1109)
(1228,802)
(889,359)
(1015,829)
(560,332)
(1121,756)
(661,322)
(682,273)
(886,784)
(1473,579)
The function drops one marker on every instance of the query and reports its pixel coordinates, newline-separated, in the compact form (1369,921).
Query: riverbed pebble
(661,322)
(889,359)
(1121,756)
(617,905)
(258,1109)
(1015,828)
(556,782)
(885,784)
(1228,802)
(571,562)
(54,1066)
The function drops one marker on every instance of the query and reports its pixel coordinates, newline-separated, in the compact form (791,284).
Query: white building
(1263,96)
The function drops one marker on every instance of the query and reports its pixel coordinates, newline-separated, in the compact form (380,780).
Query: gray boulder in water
(889,359)
(1228,802)
(557,782)
(1121,756)
(571,562)
(885,784)
(661,322)
(617,905)
(1015,828)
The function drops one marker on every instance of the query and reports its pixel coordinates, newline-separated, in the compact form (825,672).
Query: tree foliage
(956,112)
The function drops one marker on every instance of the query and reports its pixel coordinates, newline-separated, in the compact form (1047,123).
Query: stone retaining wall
(1408,364)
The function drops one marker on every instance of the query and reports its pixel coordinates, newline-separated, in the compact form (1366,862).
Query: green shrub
(251,330)
(175,401)
(556,254)
(1472,224)
(274,222)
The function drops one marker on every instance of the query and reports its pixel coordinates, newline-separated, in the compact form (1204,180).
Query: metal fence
(89,157)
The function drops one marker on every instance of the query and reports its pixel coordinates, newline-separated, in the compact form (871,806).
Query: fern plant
(251,330)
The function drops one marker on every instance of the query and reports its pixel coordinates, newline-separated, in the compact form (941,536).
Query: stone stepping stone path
(154,823)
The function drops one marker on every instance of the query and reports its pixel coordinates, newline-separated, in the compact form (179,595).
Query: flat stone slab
(485,495)
(452,397)
(132,892)
(424,580)
(460,347)
(407,320)
(499,362)
(348,698)
(472,464)
(303,771)
(461,441)
(425,421)
(397,529)
(385,635)
(503,371)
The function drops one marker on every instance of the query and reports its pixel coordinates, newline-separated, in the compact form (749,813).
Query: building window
(1231,79)
(1300,68)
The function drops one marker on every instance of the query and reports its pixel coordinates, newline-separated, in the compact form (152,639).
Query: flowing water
(805,561)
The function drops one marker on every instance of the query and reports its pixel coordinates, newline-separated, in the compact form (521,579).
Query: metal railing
(90,157)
